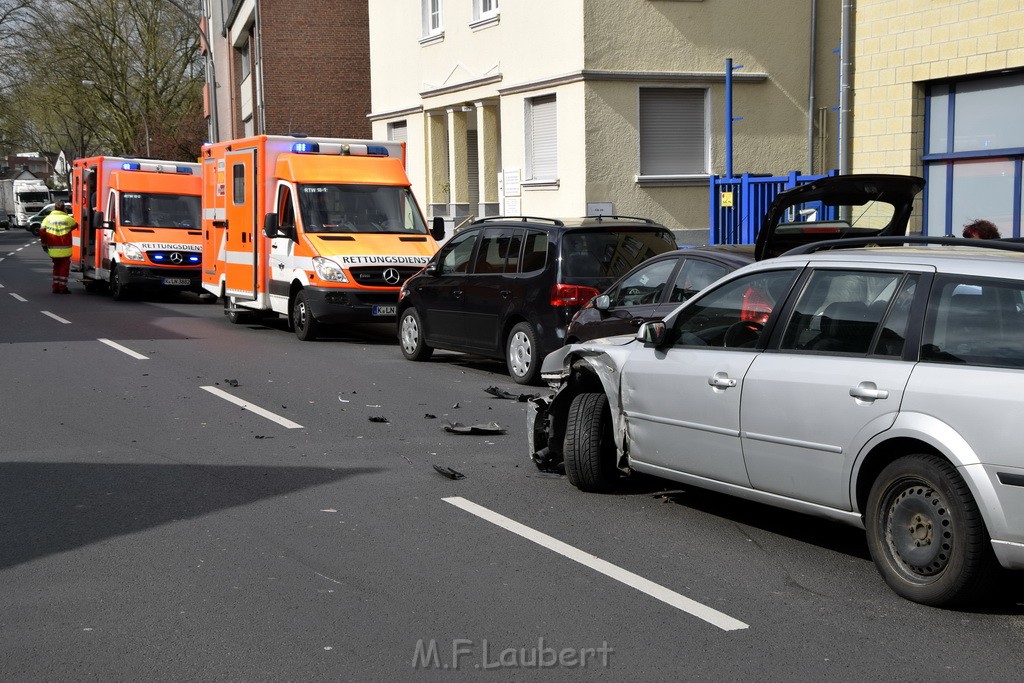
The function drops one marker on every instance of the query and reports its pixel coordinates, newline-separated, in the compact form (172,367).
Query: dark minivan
(507,287)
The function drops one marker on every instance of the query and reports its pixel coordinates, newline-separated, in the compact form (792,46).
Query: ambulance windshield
(359,208)
(159,210)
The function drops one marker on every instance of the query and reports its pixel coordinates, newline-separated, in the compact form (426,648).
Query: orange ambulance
(321,230)
(138,224)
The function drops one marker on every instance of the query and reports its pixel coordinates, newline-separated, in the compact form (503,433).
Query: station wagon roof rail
(524,219)
(904,240)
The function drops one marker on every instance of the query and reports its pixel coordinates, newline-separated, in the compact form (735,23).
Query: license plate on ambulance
(384,310)
(177,281)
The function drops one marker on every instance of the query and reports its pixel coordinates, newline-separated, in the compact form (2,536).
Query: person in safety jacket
(55,235)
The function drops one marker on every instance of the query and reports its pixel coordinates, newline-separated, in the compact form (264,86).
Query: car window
(839,311)
(644,286)
(609,252)
(457,253)
(499,251)
(535,251)
(733,314)
(694,276)
(976,321)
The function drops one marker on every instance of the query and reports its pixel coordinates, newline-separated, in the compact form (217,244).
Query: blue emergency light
(306,147)
(377,150)
(130,166)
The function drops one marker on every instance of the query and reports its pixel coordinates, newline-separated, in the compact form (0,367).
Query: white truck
(19,199)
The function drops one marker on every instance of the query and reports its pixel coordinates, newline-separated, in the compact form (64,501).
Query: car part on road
(459,428)
(449,472)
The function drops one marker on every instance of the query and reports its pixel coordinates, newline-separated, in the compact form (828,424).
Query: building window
(398,131)
(484,9)
(974,151)
(541,139)
(431,17)
(246,59)
(673,132)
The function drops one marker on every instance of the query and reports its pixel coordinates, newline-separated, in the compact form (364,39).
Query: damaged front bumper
(538,434)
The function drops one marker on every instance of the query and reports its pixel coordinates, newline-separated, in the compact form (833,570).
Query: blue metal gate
(737,205)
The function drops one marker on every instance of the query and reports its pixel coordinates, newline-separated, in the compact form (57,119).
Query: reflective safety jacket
(55,234)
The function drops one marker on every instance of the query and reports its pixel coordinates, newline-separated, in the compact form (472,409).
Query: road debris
(429,416)
(459,428)
(502,393)
(231,382)
(449,472)
(379,418)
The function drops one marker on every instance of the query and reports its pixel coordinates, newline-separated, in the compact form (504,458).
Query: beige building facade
(939,92)
(578,107)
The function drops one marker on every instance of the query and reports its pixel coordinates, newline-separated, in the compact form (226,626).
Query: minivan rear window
(611,253)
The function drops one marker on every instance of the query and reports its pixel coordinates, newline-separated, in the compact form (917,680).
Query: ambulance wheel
(306,326)
(118,290)
(236,317)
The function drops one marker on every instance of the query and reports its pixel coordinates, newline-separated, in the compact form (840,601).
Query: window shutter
(398,131)
(542,145)
(672,131)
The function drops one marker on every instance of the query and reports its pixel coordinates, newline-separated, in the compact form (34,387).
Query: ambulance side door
(105,236)
(243,201)
(282,249)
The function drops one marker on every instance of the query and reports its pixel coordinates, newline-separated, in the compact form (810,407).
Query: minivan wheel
(589,448)
(521,354)
(410,336)
(926,534)
(306,326)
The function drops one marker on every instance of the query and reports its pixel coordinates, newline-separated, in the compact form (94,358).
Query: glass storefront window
(988,114)
(983,188)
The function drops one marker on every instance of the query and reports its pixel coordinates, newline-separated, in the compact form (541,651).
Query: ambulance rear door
(242,209)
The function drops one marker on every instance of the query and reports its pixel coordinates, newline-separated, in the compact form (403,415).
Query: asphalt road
(196,500)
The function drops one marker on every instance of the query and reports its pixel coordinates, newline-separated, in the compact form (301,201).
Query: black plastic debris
(379,418)
(231,382)
(502,393)
(429,416)
(261,436)
(459,428)
(449,472)
(455,406)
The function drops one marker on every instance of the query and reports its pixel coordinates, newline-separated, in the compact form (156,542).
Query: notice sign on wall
(511,181)
(512,207)
(726,199)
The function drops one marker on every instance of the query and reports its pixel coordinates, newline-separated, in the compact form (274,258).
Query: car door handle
(721,381)
(505,293)
(868,391)
(457,293)
(637,322)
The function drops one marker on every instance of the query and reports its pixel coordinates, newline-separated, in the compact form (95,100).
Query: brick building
(939,92)
(288,66)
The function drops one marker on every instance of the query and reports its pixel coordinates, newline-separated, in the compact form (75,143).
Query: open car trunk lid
(837,207)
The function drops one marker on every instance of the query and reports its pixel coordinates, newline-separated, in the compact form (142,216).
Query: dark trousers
(61,271)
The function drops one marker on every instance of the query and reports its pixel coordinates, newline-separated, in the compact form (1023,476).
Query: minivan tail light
(571,295)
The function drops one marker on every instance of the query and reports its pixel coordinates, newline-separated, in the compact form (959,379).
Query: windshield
(34,197)
(359,208)
(160,210)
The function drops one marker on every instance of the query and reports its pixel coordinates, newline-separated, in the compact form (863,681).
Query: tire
(926,534)
(236,317)
(589,448)
(305,325)
(410,336)
(521,354)
(118,290)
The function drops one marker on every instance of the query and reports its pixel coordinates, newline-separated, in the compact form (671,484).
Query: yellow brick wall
(900,45)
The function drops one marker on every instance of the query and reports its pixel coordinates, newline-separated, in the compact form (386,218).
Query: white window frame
(398,131)
(432,16)
(673,145)
(245,55)
(541,139)
(485,14)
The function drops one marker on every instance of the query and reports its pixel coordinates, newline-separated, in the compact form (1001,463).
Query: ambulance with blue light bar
(323,231)
(138,225)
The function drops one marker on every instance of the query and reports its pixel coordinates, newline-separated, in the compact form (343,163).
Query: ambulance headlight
(329,270)
(133,253)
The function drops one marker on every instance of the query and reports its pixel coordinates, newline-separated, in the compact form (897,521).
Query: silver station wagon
(877,382)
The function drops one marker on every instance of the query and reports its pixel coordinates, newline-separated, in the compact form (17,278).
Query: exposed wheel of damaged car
(589,449)
(926,534)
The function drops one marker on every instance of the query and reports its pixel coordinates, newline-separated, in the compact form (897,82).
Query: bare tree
(109,76)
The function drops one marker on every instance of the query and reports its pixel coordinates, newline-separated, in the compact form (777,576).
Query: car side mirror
(437,228)
(430,268)
(602,302)
(652,332)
